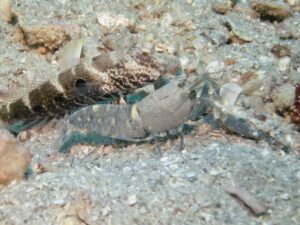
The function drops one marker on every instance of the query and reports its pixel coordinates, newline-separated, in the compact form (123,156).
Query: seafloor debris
(271,11)
(293,3)
(229,93)
(247,198)
(14,158)
(221,7)
(6,12)
(283,97)
(281,51)
(295,116)
(70,54)
(50,37)
(242,30)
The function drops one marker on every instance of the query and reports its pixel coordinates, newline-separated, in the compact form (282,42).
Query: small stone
(106,211)
(184,152)
(281,51)
(271,11)
(285,196)
(24,135)
(164,159)
(241,27)
(293,3)
(112,21)
(213,172)
(127,169)
(251,86)
(50,37)
(143,210)
(229,61)
(23,60)
(283,97)
(132,199)
(230,92)
(220,7)
(191,176)
(195,208)
(298,175)
(284,64)
(215,66)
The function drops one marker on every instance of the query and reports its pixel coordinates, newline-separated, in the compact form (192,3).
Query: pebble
(241,27)
(127,169)
(285,196)
(298,175)
(143,210)
(283,97)
(215,66)
(23,60)
(132,199)
(106,211)
(281,51)
(220,7)
(191,176)
(284,64)
(293,2)
(50,36)
(164,159)
(6,12)
(271,10)
(112,21)
(229,93)
(213,172)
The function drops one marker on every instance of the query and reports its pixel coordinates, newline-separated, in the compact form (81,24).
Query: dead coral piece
(14,159)
(51,36)
(271,11)
(241,29)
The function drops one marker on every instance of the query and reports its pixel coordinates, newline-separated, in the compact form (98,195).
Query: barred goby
(108,74)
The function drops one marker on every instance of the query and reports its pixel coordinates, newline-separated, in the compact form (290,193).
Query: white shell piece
(229,93)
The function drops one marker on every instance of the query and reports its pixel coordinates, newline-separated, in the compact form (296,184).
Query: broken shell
(241,27)
(284,64)
(229,93)
(272,11)
(220,7)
